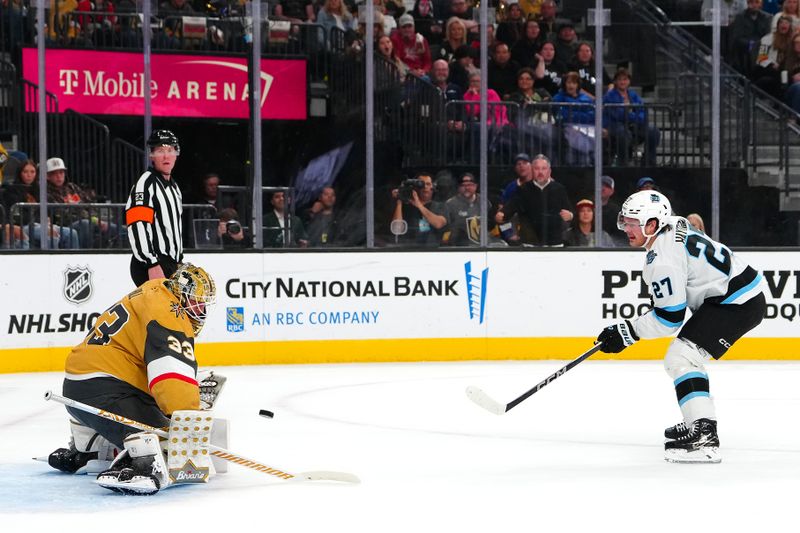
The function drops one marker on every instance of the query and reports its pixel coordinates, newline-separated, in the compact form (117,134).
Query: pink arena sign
(111,83)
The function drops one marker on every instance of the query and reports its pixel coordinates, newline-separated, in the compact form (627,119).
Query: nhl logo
(77,284)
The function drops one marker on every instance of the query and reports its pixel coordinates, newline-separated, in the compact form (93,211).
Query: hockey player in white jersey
(685,269)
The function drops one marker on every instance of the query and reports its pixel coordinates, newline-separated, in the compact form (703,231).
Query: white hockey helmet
(644,206)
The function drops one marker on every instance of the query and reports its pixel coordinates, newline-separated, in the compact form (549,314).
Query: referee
(153,213)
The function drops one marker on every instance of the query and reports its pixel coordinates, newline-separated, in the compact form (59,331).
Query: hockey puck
(266,413)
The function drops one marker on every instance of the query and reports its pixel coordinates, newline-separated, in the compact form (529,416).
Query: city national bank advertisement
(367,307)
(112,83)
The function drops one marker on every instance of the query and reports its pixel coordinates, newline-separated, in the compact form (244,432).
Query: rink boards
(378,306)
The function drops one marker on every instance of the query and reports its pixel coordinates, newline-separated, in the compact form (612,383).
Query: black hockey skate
(677,431)
(127,476)
(69,459)
(699,443)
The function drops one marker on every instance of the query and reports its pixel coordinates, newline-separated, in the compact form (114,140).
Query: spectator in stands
(610,210)
(543,207)
(424,217)
(356,42)
(577,121)
(534,120)
(583,64)
(566,43)
(497,115)
(526,50)
(512,29)
(462,10)
(382,14)
(789,8)
(334,14)
(209,190)
(490,42)
(502,71)
(462,67)
(275,225)
(548,21)
(696,221)
(322,220)
(745,33)
(411,47)
(523,174)
(455,36)
(581,231)
(531,8)
(463,213)
(99,26)
(772,58)
(93,231)
(295,11)
(792,68)
(385,49)
(61,28)
(628,126)
(427,21)
(24,189)
(230,230)
(553,69)
(449,92)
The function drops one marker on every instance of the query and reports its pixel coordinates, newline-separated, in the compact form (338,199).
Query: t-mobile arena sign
(111,83)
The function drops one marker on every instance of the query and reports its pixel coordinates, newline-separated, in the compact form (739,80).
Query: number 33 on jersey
(146,340)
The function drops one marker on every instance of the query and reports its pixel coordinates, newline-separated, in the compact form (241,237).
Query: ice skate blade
(706,455)
(138,486)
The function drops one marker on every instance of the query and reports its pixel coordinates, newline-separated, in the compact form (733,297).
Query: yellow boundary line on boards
(408,350)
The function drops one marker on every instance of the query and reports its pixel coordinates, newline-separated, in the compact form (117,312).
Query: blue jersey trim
(743,290)
(694,394)
(690,375)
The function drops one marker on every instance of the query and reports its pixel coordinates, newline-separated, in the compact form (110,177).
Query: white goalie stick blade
(484,400)
(327,475)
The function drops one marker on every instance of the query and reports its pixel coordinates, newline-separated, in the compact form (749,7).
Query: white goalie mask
(644,206)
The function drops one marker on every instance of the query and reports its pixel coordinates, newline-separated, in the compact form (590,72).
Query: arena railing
(86,226)
(10,114)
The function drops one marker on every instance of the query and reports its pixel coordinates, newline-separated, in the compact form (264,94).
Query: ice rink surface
(583,454)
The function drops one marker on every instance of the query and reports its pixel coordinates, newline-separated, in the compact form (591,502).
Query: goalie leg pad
(684,362)
(188,452)
(141,470)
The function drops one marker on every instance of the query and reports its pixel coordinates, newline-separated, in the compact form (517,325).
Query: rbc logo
(235,319)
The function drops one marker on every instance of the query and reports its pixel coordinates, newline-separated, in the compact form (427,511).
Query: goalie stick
(484,400)
(216,451)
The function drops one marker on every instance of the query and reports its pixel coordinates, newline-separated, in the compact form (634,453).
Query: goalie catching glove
(617,337)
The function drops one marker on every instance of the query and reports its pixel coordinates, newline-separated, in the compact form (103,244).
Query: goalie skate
(700,444)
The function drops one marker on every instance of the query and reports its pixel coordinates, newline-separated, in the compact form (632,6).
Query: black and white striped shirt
(153,215)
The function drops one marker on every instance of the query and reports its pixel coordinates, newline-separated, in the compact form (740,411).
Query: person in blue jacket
(576,119)
(626,119)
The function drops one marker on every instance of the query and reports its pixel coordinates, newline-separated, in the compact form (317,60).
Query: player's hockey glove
(617,337)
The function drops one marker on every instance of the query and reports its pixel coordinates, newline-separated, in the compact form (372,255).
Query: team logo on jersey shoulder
(77,284)
(651,256)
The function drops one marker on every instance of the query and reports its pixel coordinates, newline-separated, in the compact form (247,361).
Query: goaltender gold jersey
(147,341)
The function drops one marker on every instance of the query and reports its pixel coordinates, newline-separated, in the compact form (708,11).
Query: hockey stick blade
(484,400)
(328,475)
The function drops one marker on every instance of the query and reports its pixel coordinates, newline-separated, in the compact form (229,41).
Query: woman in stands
(334,14)
(792,67)
(455,36)
(772,57)
(791,9)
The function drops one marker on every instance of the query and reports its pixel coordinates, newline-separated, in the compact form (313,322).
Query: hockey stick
(484,400)
(216,451)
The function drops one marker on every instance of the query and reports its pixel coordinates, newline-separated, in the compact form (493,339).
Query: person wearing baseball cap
(411,48)
(463,212)
(581,231)
(524,174)
(646,184)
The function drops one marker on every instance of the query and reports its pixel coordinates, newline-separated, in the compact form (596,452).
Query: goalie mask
(644,206)
(195,291)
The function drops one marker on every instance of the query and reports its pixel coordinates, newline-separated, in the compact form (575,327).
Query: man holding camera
(424,218)
(230,230)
